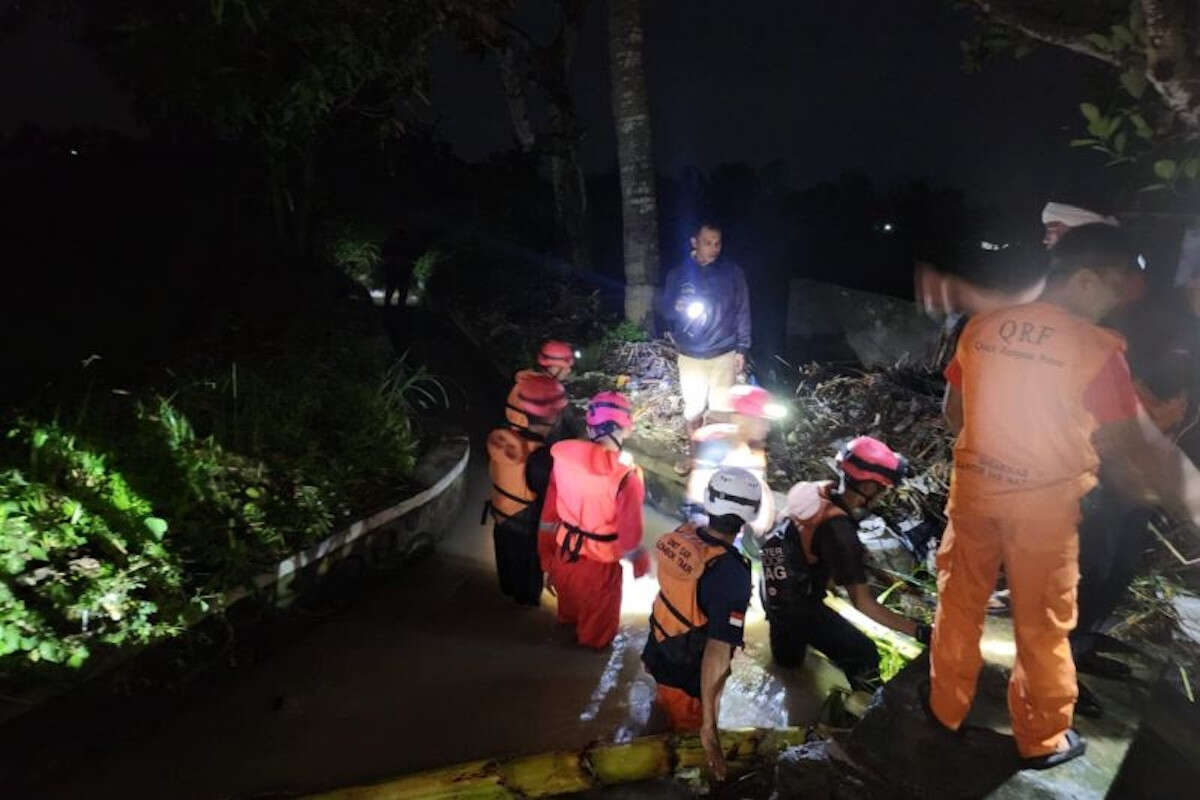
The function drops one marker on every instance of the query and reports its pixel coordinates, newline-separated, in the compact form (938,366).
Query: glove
(640,560)
(923,633)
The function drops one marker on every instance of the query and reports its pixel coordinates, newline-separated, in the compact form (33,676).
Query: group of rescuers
(1038,395)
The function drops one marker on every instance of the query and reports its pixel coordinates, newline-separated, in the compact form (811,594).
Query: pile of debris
(829,405)
(900,406)
(649,373)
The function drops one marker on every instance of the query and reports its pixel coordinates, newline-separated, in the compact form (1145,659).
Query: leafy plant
(412,389)
(358,258)
(424,267)
(1148,121)
(234,514)
(333,408)
(626,331)
(83,558)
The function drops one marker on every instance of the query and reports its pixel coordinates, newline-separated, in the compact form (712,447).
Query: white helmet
(733,490)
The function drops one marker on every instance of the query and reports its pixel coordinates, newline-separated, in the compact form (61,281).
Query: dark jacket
(724,324)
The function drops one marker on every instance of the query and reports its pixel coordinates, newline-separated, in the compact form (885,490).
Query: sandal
(999,603)
(1076,746)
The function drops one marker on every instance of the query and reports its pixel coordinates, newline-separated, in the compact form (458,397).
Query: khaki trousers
(705,382)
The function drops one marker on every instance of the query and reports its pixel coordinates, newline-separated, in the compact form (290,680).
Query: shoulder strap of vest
(808,530)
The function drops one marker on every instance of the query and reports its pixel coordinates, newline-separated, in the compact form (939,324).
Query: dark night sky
(826,85)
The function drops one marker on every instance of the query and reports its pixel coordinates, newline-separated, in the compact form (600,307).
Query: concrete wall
(827,322)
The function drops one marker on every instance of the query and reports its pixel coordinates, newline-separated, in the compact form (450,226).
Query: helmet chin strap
(849,485)
(608,435)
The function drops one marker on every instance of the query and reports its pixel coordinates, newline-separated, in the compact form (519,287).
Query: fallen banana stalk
(904,645)
(565,772)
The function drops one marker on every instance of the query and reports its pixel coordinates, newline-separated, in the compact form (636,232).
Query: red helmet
(610,409)
(749,400)
(867,459)
(556,354)
(535,398)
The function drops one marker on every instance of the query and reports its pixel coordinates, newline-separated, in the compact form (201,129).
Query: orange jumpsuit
(1036,382)
(594,503)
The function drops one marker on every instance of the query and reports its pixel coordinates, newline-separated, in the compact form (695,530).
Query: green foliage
(1122,134)
(425,267)
(234,515)
(891,661)
(627,331)
(412,390)
(114,529)
(82,559)
(276,71)
(334,408)
(1131,126)
(359,258)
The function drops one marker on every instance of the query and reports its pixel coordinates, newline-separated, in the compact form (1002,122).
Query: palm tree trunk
(639,205)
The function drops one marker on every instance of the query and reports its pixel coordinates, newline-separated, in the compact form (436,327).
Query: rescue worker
(741,442)
(1037,395)
(707,307)
(698,617)
(591,519)
(817,542)
(532,409)
(556,359)
(1058,218)
(959,295)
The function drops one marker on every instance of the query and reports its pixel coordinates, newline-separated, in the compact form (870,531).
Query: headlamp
(775,411)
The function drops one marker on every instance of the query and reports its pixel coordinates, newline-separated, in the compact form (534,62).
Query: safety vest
(677,623)
(792,574)
(508,451)
(587,478)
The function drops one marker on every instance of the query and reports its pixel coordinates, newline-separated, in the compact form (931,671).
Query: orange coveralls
(1036,382)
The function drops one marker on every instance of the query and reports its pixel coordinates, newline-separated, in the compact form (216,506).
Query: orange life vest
(508,451)
(587,478)
(677,623)
(1026,440)
(791,574)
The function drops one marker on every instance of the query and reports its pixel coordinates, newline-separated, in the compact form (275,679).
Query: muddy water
(424,667)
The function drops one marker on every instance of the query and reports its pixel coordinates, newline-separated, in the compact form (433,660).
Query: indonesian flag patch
(737,619)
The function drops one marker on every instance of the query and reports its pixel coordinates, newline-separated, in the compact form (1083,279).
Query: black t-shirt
(839,551)
(537,478)
(723,593)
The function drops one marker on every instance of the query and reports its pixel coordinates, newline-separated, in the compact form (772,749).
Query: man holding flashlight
(707,308)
